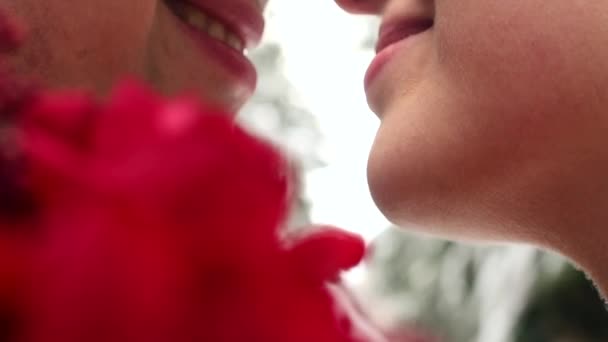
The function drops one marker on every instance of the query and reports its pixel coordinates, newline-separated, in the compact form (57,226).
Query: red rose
(147,219)
(160,222)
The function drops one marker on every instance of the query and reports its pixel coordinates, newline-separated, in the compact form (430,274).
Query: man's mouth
(207,24)
(221,30)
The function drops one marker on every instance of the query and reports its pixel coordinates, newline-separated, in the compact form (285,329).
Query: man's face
(173,45)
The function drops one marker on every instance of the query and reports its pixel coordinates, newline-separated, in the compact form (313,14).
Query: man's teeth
(214,28)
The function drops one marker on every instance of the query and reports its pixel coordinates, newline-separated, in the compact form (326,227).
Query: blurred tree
(564,308)
(427,282)
(275,113)
(482,293)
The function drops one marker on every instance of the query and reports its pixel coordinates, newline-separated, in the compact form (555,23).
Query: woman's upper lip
(393,31)
(243,17)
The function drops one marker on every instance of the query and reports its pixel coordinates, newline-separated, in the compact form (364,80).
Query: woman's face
(494,115)
(176,45)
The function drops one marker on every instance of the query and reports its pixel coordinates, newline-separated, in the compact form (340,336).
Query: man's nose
(362,6)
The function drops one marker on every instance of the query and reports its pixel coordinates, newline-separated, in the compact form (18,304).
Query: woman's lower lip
(231,60)
(382,58)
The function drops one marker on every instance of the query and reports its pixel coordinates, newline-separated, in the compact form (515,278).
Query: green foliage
(567,308)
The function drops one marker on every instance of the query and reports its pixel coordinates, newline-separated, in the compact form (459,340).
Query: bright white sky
(325,63)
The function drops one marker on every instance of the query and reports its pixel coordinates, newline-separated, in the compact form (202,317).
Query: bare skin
(494,124)
(93,43)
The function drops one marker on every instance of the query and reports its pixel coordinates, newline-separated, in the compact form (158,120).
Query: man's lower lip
(231,60)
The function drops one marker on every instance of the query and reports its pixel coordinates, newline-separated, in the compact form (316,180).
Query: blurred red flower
(159,221)
(156,220)
(148,219)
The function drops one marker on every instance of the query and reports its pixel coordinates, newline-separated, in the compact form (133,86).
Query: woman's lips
(394,31)
(394,36)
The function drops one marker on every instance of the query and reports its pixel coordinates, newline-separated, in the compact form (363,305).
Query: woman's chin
(438,201)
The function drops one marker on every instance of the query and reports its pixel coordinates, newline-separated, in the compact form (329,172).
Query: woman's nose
(362,6)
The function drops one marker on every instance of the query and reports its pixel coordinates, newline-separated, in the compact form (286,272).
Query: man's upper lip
(393,31)
(262,4)
(243,17)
